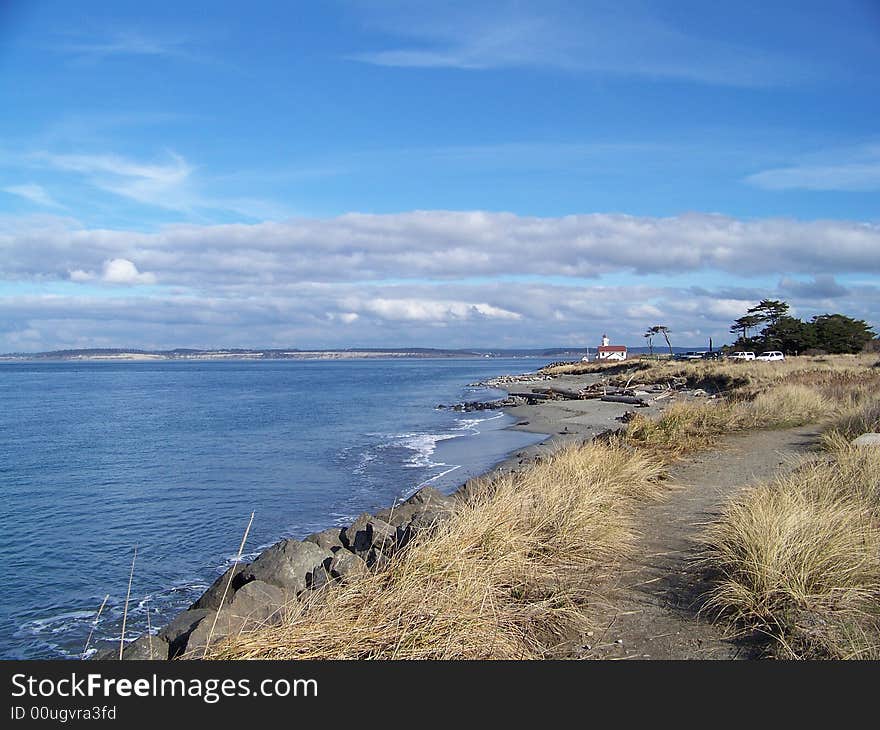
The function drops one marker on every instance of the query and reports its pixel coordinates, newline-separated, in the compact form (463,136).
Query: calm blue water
(173,457)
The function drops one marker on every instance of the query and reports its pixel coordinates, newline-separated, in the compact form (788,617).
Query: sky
(437,174)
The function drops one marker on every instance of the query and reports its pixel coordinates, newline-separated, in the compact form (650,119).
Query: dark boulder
(346,565)
(210,599)
(146,648)
(431,497)
(350,533)
(369,537)
(287,564)
(255,604)
(327,539)
(177,632)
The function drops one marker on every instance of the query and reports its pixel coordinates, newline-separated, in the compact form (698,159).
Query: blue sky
(440,174)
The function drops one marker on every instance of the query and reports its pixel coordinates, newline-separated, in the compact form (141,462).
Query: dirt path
(652,611)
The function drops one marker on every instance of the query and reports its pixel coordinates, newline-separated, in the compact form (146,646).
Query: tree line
(769,326)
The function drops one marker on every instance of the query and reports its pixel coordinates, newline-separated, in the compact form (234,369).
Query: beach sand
(565,421)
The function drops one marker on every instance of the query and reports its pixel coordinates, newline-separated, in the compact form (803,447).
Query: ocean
(97,457)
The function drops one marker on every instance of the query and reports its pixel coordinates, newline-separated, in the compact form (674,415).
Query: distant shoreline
(122,355)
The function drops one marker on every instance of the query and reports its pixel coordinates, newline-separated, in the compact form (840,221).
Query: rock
(321,576)
(429,496)
(382,535)
(210,599)
(426,520)
(106,654)
(146,648)
(287,564)
(177,632)
(426,498)
(330,539)
(346,565)
(867,439)
(366,535)
(398,515)
(255,604)
(349,534)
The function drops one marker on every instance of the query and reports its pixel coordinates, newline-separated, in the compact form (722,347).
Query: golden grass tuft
(505,577)
(861,418)
(799,559)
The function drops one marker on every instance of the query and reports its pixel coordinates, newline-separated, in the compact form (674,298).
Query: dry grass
(504,578)
(799,559)
(511,571)
(721,376)
(693,426)
(841,390)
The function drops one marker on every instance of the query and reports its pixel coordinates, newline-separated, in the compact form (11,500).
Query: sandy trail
(651,609)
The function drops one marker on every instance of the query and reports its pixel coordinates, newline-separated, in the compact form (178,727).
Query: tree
(769,310)
(649,335)
(662,330)
(790,335)
(837,333)
(744,324)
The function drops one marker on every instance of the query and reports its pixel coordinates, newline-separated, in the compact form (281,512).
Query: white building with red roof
(607,351)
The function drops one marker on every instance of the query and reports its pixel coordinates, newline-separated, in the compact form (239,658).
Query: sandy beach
(565,421)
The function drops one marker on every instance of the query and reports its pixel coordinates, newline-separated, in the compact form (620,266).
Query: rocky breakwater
(263,592)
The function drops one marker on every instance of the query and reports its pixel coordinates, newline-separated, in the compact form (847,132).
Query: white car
(742,356)
(771,355)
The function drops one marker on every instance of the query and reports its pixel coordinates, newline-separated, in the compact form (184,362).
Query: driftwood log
(628,399)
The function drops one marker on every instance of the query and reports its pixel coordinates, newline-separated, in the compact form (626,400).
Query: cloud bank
(430,278)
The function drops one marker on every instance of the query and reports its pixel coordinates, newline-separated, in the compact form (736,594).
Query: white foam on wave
(424,445)
(471,423)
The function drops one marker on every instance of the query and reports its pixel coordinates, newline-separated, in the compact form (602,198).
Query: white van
(770,355)
(742,356)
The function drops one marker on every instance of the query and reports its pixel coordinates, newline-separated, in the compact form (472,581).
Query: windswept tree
(769,311)
(649,336)
(660,329)
(745,323)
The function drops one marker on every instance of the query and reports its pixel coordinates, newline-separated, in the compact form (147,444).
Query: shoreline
(560,422)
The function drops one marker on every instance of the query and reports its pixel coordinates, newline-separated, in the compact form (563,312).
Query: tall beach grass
(507,576)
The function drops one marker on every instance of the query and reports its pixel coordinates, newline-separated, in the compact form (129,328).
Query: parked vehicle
(714,355)
(770,356)
(742,356)
(690,355)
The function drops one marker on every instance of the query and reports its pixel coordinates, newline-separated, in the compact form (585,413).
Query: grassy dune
(504,578)
(842,389)
(514,569)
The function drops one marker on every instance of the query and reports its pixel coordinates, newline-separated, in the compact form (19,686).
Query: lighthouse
(607,351)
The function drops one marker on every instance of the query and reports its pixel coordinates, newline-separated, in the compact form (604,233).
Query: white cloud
(79,276)
(124,43)
(123,271)
(114,271)
(426,310)
(34,193)
(846,170)
(161,184)
(623,38)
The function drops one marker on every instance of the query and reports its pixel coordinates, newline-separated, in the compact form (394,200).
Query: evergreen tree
(769,310)
(789,335)
(837,333)
(744,324)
